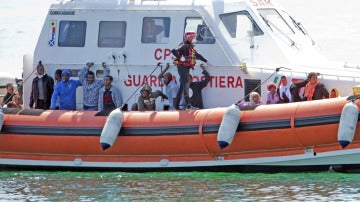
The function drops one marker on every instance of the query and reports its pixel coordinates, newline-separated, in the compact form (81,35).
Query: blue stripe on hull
(172,130)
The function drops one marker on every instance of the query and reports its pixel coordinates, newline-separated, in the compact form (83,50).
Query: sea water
(334,25)
(178,186)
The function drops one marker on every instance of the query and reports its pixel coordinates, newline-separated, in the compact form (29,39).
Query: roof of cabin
(122,4)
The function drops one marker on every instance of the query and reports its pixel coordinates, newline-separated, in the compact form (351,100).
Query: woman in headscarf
(272,95)
(334,93)
(314,90)
(284,90)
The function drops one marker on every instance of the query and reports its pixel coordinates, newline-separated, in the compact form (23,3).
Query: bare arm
(204,82)
(82,74)
(161,75)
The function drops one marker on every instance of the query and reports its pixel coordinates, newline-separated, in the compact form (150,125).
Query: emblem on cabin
(52,33)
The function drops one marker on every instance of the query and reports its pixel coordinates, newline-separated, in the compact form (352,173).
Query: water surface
(178,186)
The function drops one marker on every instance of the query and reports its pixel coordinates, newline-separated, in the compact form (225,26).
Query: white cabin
(244,40)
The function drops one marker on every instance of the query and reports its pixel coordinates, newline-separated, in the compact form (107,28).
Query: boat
(303,136)
(76,32)
(247,42)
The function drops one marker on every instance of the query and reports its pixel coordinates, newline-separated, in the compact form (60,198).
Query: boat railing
(246,69)
(351,66)
(142,1)
(158,2)
(301,73)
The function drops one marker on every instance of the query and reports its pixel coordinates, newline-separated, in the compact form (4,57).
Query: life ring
(347,124)
(228,126)
(111,129)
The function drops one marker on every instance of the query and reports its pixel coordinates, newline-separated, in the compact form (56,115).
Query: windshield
(275,21)
(240,24)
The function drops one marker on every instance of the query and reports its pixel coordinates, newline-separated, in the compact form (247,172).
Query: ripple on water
(190,186)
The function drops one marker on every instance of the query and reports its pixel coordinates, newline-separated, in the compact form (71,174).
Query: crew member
(185,50)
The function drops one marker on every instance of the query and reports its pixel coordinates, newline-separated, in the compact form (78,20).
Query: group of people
(98,94)
(187,94)
(101,95)
(11,99)
(147,99)
(289,91)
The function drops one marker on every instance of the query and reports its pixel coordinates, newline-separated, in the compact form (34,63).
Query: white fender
(347,124)
(111,129)
(228,126)
(1,119)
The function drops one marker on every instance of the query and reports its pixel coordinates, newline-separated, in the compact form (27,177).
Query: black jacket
(48,87)
(320,91)
(196,98)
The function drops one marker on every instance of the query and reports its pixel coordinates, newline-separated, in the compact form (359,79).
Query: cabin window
(112,34)
(275,21)
(203,33)
(72,34)
(99,73)
(240,24)
(155,30)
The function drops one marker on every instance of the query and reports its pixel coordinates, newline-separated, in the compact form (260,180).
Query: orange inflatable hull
(295,135)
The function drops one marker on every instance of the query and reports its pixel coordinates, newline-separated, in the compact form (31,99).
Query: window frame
(73,43)
(205,40)
(151,38)
(121,39)
(256,28)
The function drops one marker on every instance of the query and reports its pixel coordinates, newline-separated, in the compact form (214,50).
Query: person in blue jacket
(66,91)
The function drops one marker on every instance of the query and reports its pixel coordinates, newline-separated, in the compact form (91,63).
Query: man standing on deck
(171,88)
(91,86)
(109,97)
(186,51)
(66,90)
(42,89)
(196,88)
